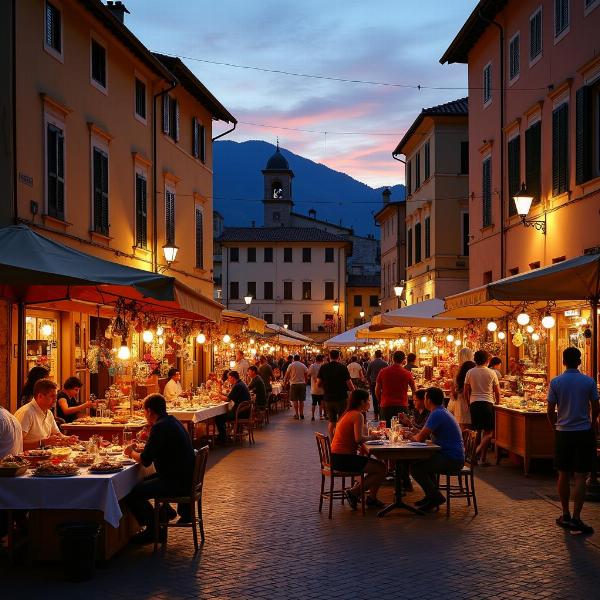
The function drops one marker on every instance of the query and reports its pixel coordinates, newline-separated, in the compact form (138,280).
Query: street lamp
(362,316)
(336,310)
(398,289)
(523,202)
(170,252)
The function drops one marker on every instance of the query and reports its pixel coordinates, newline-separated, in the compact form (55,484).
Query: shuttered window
(427,160)
(535,34)
(561,16)
(234,255)
(418,170)
(100,178)
(329,290)
(487,192)
(268,290)
(533,160)
(306,290)
(307,323)
(251,289)
(287,290)
(199,238)
(306,255)
(287,255)
(427,237)
(234,290)
(170,121)
(464,158)
(417,243)
(268,255)
(55,143)
(560,149)
(198,140)
(140,98)
(329,255)
(53,28)
(251,255)
(514,56)
(409,248)
(583,134)
(487,84)
(514,172)
(169,217)
(141,214)
(98,63)
(465,234)
(408,178)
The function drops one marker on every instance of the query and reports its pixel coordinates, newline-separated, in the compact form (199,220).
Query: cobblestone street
(266,539)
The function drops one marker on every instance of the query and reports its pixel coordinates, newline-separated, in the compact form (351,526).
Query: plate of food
(49,469)
(105,468)
(13,466)
(36,453)
(84,460)
(126,462)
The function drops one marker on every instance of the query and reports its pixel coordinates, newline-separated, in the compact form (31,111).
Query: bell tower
(277,191)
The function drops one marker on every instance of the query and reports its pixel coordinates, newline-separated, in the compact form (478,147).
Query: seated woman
(68,405)
(348,438)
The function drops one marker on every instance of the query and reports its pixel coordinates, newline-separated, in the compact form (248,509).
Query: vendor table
(86,430)
(84,497)
(525,433)
(402,453)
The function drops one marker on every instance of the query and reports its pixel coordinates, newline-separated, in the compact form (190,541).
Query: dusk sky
(383,41)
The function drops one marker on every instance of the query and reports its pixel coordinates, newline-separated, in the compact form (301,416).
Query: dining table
(402,453)
(190,415)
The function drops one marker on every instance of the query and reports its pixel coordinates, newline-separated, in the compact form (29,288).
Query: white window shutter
(165,114)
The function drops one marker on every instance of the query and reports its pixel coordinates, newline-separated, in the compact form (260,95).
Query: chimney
(312,213)
(118,9)
(386,195)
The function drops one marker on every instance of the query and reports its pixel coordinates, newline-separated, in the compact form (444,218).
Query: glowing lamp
(501,335)
(523,319)
(529,329)
(147,336)
(226,338)
(160,330)
(548,322)
(46,329)
(492,326)
(124,353)
(424,339)
(201,338)
(535,337)
(450,338)
(523,201)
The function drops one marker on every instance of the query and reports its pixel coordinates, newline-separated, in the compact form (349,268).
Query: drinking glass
(127,438)
(115,439)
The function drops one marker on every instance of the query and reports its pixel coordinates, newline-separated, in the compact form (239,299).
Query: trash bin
(78,541)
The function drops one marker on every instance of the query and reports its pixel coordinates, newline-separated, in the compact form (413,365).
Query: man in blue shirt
(571,398)
(445,432)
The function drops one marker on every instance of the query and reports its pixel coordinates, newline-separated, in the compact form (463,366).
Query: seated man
(68,405)
(257,386)
(173,387)
(170,449)
(37,421)
(239,393)
(445,431)
(11,434)
(420,413)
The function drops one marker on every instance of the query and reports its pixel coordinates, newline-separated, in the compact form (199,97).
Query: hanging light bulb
(201,338)
(401,342)
(535,337)
(492,326)
(457,343)
(160,330)
(124,353)
(424,339)
(161,340)
(226,338)
(252,341)
(450,338)
(523,319)
(46,330)
(548,322)
(147,336)
(529,329)
(231,364)
(501,335)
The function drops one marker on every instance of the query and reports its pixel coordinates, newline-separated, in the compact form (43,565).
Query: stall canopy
(350,337)
(422,315)
(37,270)
(283,335)
(235,320)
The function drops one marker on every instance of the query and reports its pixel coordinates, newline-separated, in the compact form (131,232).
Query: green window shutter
(199,238)
(194,137)
(533,160)
(141,215)
(100,163)
(170,217)
(583,135)
(487,192)
(202,134)
(166,117)
(514,172)
(560,150)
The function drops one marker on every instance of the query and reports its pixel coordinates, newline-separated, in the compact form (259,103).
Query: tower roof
(277,162)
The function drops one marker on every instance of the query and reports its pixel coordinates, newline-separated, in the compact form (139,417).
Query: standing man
(241,365)
(481,392)
(266,372)
(336,382)
(316,390)
(574,395)
(296,375)
(391,388)
(411,362)
(356,372)
(173,387)
(372,371)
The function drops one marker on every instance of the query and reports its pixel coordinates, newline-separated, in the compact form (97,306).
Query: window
(409,248)
(464,158)
(373,300)
(100,202)
(587,133)
(234,255)
(357,300)
(533,160)
(287,255)
(234,290)
(140,98)
(251,255)
(170,216)
(514,172)
(488,277)
(514,57)
(251,289)
(487,83)
(417,243)
(199,237)
(408,177)
(55,164)
(306,255)
(329,290)
(329,255)
(535,34)
(561,16)
(287,290)
(560,149)
(268,317)
(268,290)
(53,38)
(427,237)
(465,234)
(427,160)
(287,319)
(306,323)
(170,115)
(418,170)
(198,140)
(268,255)
(141,211)
(306,290)
(99,63)
(487,192)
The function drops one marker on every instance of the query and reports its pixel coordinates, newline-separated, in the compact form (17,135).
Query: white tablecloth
(202,414)
(276,388)
(83,492)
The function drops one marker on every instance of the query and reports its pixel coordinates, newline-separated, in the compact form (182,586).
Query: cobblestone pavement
(266,539)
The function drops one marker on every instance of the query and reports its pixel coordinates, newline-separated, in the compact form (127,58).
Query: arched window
(277,190)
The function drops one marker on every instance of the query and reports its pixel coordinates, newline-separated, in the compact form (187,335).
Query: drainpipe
(398,268)
(14,115)
(225,132)
(173,85)
(502,108)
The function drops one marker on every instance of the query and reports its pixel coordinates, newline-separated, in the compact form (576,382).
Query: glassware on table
(127,438)
(115,439)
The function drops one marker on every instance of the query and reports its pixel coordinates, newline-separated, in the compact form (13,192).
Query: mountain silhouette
(238,188)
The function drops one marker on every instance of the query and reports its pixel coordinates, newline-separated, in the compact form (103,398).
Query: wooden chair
(243,426)
(194,500)
(465,486)
(324,447)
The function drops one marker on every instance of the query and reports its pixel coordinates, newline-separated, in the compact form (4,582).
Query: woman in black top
(68,405)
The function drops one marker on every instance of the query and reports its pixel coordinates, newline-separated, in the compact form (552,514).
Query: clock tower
(277,191)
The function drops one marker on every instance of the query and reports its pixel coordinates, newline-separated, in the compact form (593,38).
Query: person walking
(315,389)
(572,396)
(458,404)
(482,391)
(296,375)
(336,382)
(391,388)
(372,371)
(356,372)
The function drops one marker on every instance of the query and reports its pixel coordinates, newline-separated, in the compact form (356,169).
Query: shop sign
(573,313)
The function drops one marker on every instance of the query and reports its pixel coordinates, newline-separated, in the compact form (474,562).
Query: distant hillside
(238,188)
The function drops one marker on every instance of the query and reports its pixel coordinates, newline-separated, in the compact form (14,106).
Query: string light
(523,319)
(201,338)
(147,336)
(492,326)
(548,322)
(226,338)
(501,335)
(124,353)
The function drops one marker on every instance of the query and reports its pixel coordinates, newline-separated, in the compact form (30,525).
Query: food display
(84,459)
(105,467)
(13,466)
(49,469)
(62,452)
